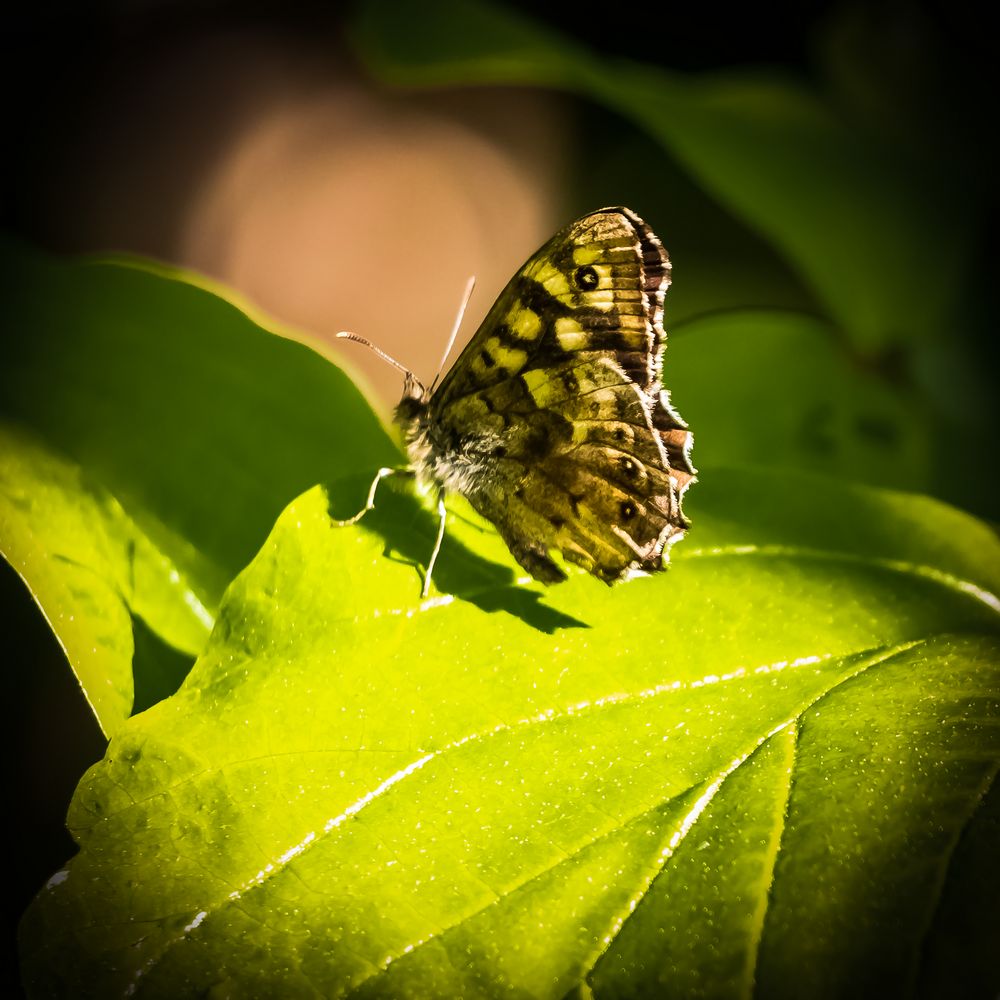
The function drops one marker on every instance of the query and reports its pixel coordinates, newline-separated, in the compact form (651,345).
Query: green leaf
(772,389)
(721,265)
(90,569)
(155,432)
(852,214)
(756,772)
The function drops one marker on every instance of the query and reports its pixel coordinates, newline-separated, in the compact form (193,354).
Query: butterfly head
(413,405)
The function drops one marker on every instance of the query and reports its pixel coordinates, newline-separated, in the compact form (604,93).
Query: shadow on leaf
(409,530)
(158,669)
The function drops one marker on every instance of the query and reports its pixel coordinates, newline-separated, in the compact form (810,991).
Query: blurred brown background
(247,144)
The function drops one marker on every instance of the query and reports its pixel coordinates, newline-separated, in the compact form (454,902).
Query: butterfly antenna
(469,286)
(346,335)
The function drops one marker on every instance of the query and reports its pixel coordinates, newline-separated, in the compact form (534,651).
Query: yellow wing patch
(496,357)
(524,323)
(571,336)
(550,278)
(586,255)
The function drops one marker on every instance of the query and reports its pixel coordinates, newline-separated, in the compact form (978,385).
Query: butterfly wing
(596,286)
(553,421)
(584,473)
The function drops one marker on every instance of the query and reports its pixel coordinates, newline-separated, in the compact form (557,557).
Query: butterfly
(553,422)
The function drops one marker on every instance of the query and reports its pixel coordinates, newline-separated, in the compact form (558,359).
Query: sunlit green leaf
(757,768)
(155,432)
(90,569)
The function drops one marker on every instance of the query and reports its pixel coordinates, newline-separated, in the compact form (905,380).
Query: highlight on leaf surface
(770,771)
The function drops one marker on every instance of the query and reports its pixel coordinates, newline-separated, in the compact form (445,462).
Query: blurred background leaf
(848,211)
(773,389)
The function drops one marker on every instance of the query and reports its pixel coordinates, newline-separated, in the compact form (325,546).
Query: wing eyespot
(586,278)
(628,510)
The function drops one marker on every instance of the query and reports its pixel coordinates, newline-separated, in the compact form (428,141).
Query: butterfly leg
(442,517)
(382,473)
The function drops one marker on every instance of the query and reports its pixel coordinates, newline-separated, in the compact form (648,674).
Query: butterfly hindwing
(593,484)
(553,421)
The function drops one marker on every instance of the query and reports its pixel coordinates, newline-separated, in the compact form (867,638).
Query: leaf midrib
(874,658)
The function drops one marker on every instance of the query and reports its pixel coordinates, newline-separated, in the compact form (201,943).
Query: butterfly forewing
(585,290)
(553,421)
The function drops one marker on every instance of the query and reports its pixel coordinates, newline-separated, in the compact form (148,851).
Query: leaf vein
(949,580)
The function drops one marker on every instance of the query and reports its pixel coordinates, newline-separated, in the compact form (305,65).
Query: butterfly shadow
(409,531)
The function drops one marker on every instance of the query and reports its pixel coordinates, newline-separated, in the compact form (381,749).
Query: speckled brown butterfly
(553,422)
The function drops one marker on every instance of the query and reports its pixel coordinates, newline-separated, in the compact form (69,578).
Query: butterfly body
(553,422)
